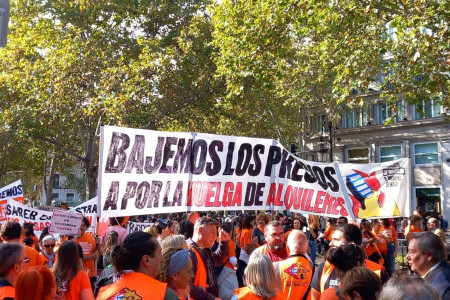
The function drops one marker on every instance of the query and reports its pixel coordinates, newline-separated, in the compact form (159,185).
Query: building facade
(419,132)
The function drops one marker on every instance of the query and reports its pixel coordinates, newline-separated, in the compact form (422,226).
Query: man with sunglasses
(12,262)
(10,233)
(48,255)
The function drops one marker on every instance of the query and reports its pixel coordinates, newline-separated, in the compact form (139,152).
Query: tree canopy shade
(319,53)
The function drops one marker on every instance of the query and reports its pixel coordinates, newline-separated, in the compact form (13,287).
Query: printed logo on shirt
(125,294)
(334,282)
(297,271)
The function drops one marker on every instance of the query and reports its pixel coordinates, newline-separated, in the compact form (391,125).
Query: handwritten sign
(65,222)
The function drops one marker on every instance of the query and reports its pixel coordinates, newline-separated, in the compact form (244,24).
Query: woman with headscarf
(176,271)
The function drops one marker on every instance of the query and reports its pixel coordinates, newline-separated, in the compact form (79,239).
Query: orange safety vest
(246,293)
(7,292)
(296,273)
(200,277)
(328,269)
(136,286)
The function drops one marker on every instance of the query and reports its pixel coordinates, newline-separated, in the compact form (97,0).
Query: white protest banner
(148,172)
(135,226)
(65,222)
(89,210)
(13,210)
(12,191)
(377,190)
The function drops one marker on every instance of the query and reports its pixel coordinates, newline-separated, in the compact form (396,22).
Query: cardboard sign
(65,222)
(134,226)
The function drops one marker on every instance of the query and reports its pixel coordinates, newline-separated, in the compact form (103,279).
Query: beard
(278,247)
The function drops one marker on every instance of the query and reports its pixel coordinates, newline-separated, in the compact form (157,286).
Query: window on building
(358,156)
(427,109)
(384,112)
(389,153)
(356,117)
(70,197)
(426,153)
(55,197)
(429,199)
(56,183)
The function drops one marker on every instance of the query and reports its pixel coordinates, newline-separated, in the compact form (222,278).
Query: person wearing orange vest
(138,260)
(325,275)
(261,280)
(10,233)
(205,286)
(414,226)
(294,274)
(12,262)
(276,247)
(48,254)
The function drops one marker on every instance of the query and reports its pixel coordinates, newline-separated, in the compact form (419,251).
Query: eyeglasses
(26,259)
(48,246)
(280,235)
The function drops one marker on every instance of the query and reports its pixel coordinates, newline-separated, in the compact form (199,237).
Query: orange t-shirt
(381,242)
(329,294)
(370,247)
(246,237)
(390,232)
(410,230)
(231,252)
(77,284)
(35,258)
(87,242)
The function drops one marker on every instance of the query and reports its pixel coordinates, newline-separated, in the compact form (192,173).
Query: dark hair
(44,233)
(186,228)
(28,241)
(11,230)
(345,257)
(429,242)
(247,222)
(361,280)
(115,221)
(67,262)
(9,256)
(414,219)
(160,227)
(226,226)
(86,222)
(128,255)
(386,222)
(272,224)
(352,233)
(29,228)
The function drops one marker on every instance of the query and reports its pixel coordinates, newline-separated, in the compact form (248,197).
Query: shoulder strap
(338,293)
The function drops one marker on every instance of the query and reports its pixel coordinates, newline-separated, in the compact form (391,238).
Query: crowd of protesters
(241,256)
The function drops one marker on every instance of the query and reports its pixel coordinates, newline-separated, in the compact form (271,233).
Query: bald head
(297,242)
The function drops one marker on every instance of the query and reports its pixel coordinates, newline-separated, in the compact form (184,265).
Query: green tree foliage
(71,66)
(316,54)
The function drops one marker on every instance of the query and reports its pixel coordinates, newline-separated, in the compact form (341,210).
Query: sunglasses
(48,246)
